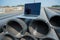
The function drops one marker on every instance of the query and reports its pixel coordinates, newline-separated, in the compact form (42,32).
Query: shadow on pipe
(39,28)
(48,39)
(27,38)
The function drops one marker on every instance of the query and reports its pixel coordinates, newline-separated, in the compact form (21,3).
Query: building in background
(4,9)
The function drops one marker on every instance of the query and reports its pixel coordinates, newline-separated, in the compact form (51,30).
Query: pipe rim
(54,26)
(20,22)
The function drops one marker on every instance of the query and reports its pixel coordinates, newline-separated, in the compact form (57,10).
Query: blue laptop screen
(32,9)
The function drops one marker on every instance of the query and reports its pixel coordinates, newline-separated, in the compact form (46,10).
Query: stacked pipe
(42,24)
(54,19)
(38,28)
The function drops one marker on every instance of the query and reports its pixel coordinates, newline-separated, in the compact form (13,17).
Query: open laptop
(32,9)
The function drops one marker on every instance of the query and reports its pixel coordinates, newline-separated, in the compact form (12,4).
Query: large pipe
(27,37)
(8,37)
(54,19)
(47,38)
(39,28)
(15,27)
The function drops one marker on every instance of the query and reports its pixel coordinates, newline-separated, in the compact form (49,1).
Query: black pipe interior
(55,21)
(40,26)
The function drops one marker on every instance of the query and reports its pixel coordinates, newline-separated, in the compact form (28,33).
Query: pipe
(8,37)
(47,39)
(39,28)
(54,19)
(27,37)
(15,27)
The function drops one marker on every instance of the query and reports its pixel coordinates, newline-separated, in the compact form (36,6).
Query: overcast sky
(22,2)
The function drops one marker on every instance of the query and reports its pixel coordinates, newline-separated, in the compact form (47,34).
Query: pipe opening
(47,39)
(8,37)
(14,28)
(1,30)
(55,21)
(27,38)
(39,28)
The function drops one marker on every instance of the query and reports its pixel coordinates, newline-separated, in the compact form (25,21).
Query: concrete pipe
(54,19)
(47,39)
(15,27)
(8,37)
(27,37)
(39,28)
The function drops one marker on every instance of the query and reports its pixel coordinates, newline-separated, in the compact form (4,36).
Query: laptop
(32,9)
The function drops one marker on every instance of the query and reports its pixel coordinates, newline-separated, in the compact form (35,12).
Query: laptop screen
(32,9)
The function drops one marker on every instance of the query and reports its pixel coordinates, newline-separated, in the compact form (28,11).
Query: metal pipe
(54,19)
(27,37)
(8,37)
(47,39)
(15,27)
(39,28)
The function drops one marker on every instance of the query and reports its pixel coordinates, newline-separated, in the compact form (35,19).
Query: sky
(22,2)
